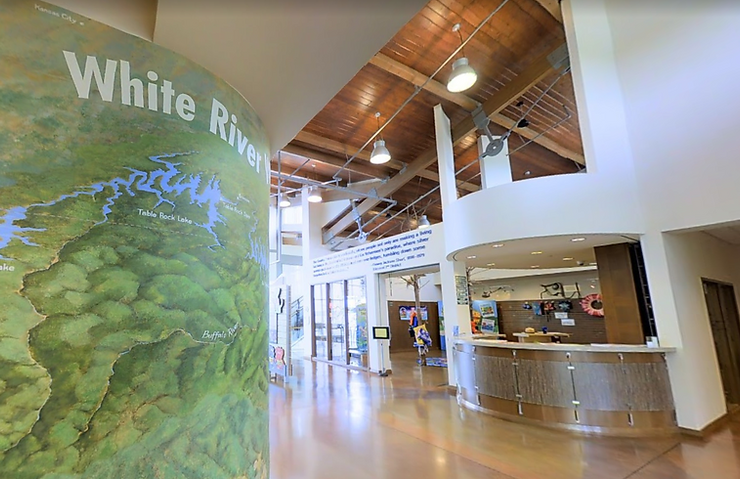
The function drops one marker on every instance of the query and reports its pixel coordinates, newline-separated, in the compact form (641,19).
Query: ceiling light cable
(418,89)
(496,145)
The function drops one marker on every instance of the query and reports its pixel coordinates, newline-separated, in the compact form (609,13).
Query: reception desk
(612,390)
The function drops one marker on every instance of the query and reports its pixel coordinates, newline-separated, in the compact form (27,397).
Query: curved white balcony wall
(678,69)
(575,204)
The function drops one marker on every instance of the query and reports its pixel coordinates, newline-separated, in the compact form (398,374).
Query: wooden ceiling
(510,55)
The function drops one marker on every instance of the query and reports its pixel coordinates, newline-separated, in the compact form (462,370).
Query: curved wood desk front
(611,390)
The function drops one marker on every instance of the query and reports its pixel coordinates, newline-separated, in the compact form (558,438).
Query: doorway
(401,341)
(725,323)
(340,322)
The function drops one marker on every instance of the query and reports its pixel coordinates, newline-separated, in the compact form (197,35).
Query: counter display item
(485,315)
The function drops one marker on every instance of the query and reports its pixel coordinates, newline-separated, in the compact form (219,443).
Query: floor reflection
(330,422)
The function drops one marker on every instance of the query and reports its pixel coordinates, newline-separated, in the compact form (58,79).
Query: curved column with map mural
(133,258)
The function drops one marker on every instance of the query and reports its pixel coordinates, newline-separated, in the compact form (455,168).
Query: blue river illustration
(165,180)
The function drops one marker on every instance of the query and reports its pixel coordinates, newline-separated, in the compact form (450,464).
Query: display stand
(280,357)
(380,334)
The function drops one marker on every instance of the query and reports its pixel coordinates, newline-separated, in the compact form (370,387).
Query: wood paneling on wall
(621,309)
(513,318)
(400,339)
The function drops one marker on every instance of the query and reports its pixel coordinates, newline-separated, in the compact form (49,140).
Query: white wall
(528,287)
(678,66)
(398,290)
(695,377)
(136,17)
(660,76)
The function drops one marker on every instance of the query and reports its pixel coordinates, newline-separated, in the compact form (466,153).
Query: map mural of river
(133,256)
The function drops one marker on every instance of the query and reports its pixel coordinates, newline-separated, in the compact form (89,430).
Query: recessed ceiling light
(567,259)
(491,264)
(472,257)
(536,252)
(499,245)
(535,266)
(576,240)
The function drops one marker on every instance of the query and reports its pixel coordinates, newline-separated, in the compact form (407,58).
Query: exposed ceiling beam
(555,59)
(366,170)
(348,151)
(553,8)
(361,186)
(418,79)
(337,147)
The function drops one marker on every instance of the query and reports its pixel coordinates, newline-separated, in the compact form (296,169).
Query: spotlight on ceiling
(463,76)
(424,222)
(380,153)
(314,195)
(284,201)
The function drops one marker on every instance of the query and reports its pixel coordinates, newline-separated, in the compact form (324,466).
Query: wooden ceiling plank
(417,78)
(537,70)
(553,8)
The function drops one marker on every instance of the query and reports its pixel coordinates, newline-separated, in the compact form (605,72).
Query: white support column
(494,170)
(308,327)
(457,316)
(445,157)
(377,315)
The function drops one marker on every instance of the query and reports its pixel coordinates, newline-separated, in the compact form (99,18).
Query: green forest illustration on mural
(133,249)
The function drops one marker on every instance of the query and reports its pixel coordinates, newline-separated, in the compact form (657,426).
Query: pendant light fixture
(424,223)
(314,195)
(463,76)
(380,153)
(314,192)
(284,201)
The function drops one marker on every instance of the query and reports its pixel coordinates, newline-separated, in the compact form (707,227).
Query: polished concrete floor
(331,422)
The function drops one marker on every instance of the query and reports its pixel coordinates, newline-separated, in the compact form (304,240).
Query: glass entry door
(357,322)
(320,321)
(338,321)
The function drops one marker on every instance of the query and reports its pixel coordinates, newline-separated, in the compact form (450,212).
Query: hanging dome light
(284,201)
(314,195)
(463,76)
(380,153)
(424,222)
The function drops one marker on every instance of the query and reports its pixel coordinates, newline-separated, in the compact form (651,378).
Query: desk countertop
(586,348)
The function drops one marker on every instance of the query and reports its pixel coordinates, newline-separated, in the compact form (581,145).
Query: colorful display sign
(133,258)
(485,315)
(404,312)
